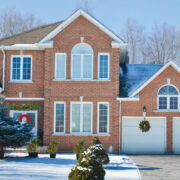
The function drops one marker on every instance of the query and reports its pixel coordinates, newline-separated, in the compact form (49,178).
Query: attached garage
(134,141)
(176,135)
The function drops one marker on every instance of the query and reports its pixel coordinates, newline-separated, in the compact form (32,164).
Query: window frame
(81,119)
(82,67)
(168,99)
(54,125)
(56,54)
(21,68)
(108,117)
(99,54)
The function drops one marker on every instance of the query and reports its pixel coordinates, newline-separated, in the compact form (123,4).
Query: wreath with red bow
(28,119)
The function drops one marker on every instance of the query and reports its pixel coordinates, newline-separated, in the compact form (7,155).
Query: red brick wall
(68,91)
(148,98)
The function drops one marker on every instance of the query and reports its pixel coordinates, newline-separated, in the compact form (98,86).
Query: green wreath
(144,126)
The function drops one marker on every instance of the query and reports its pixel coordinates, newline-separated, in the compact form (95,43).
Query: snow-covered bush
(98,149)
(12,132)
(87,168)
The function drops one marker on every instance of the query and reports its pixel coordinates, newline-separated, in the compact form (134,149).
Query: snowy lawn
(19,166)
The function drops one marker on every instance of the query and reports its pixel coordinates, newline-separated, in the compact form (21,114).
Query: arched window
(82,62)
(168,98)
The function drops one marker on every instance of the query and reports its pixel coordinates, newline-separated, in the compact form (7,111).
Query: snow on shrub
(99,151)
(88,168)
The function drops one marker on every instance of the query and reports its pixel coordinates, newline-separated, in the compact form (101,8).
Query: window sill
(73,134)
(21,81)
(159,110)
(85,80)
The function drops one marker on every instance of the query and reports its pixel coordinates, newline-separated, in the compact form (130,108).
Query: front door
(32,115)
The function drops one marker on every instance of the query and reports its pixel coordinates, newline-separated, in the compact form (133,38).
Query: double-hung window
(103,65)
(21,68)
(81,117)
(103,117)
(59,117)
(82,62)
(60,66)
(168,98)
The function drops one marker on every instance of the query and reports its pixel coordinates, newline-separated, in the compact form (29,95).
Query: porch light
(144,111)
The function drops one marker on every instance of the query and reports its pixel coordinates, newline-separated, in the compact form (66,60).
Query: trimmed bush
(98,149)
(87,168)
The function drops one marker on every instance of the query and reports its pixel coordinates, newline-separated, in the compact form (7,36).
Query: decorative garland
(144,126)
(28,119)
(26,107)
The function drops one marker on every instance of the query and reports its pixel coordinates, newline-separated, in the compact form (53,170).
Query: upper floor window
(103,61)
(82,62)
(21,68)
(60,66)
(168,98)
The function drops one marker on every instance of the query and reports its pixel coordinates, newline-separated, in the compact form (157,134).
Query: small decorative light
(144,111)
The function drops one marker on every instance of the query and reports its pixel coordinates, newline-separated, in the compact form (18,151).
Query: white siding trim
(24,99)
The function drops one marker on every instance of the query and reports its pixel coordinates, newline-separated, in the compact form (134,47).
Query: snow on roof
(132,76)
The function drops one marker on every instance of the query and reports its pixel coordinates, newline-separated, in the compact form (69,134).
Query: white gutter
(23,99)
(4,61)
(120,120)
(128,99)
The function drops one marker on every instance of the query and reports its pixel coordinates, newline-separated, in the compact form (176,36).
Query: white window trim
(99,54)
(168,99)
(54,129)
(81,115)
(21,68)
(107,103)
(11,112)
(56,54)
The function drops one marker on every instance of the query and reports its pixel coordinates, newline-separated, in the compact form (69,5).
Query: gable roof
(31,36)
(154,76)
(88,17)
(132,76)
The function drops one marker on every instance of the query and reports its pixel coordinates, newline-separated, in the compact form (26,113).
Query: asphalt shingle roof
(31,36)
(132,76)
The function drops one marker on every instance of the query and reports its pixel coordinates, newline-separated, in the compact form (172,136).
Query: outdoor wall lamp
(144,111)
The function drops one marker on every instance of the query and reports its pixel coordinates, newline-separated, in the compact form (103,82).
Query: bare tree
(163,44)
(13,22)
(133,34)
(86,5)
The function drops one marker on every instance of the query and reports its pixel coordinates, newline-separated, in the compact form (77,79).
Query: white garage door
(134,141)
(176,135)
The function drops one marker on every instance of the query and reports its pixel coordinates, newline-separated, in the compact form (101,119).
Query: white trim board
(88,17)
(24,99)
(155,75)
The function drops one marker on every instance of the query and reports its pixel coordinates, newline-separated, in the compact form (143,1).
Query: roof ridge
(36,28)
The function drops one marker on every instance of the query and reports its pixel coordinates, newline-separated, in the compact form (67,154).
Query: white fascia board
(115,44)
(28,46)
(128,99)
(155,75)
(23,99)
(88,17)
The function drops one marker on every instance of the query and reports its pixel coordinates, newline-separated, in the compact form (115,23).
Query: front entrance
(32,115)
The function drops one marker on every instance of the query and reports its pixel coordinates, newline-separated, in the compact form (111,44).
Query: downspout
(119,143)
(4,58)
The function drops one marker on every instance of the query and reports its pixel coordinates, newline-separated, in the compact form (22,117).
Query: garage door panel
(176,135)
(137,142)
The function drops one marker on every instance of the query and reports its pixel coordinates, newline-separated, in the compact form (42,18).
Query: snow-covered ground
(19,166)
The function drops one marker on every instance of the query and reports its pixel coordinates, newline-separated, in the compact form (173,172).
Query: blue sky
(112,13)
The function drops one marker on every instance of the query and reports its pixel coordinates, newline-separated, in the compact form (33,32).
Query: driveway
(158,167)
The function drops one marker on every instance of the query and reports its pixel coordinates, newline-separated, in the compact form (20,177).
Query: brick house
(71,70)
